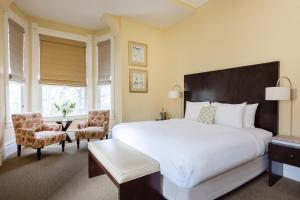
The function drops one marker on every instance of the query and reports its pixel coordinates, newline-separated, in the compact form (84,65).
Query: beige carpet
(63,176)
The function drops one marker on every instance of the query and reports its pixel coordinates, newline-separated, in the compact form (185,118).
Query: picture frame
(138,81)
(137,54)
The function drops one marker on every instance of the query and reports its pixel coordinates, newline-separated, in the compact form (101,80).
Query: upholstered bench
(136,175)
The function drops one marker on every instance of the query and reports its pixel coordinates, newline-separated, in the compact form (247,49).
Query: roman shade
(16,52)
(62,61)
(104,63)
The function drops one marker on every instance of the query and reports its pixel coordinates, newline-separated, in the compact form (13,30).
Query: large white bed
(198,161)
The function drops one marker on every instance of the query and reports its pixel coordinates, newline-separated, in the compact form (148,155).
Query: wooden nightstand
(282,150)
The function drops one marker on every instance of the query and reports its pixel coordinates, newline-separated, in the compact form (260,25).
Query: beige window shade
(62,61)
(104,63)
(16,52)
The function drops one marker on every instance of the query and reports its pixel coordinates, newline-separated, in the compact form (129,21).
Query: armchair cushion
(45,138)
(51,127)
(82,125)
(90,133)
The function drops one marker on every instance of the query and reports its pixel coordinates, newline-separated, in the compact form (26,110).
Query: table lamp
(175,93)
(280,93)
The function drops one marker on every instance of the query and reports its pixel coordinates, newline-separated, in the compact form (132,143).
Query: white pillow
(192,109)
(230,114)
(249,115)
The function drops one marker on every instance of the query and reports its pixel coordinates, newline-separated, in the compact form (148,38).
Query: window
(60,94)
(62,74)
(15,96)
(104,75)
(104,99)
(16,80)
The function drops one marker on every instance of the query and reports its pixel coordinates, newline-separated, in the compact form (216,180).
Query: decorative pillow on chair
(207,114)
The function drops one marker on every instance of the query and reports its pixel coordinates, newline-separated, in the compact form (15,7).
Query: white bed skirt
(217,186)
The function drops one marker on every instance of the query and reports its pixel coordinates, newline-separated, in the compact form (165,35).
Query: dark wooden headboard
(238,85)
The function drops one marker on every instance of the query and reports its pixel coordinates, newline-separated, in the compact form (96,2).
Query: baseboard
(291,172)
(9,149)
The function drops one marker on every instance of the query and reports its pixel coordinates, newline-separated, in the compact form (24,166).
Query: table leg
(278,169)
(68,139)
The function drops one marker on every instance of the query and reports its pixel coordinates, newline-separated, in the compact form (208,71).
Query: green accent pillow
(207,114)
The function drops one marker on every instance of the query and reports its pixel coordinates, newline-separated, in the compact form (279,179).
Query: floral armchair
(31,131)
(96,127)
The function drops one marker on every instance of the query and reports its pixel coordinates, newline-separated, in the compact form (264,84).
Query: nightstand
(282,150)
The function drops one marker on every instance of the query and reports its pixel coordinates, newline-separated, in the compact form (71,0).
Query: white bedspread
(190,152)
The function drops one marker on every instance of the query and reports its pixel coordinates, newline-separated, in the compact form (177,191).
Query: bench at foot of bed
(136,175)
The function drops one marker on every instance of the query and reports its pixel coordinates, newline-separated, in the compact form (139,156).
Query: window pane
(104,100)
(15,97)
(59,95)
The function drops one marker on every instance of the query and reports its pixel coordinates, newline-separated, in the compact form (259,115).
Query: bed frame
(234,85)
(238,85)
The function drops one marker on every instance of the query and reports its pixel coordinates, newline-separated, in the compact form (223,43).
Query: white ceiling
(87,13)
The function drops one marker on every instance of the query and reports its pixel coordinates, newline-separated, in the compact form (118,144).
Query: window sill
(9,124)
(55,119)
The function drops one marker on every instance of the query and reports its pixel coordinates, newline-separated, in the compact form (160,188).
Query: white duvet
(190,152)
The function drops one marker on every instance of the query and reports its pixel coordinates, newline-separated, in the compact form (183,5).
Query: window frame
(36,102)
(97,95)
(71,116)
(25,86)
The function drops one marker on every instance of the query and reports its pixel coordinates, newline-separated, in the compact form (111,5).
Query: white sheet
(190,152)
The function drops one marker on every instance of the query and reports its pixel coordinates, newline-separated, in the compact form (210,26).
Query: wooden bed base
(143,188)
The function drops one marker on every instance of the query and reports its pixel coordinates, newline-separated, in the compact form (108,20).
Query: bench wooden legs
(94,168)
(146,188)
(19,149)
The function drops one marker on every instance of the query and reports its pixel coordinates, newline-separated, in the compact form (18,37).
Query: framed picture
(137,54)
(138,80)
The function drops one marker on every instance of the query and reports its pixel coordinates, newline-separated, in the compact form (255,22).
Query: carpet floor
(63,176)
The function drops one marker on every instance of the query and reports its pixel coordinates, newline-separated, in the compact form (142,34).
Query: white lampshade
(278,93)
(173,94)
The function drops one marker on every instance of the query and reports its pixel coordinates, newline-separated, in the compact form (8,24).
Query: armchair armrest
(25,132)
(52,127)
(82,125)
(106,125)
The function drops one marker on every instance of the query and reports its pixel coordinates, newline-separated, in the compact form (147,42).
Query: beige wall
(218,35)
(234,33)
(143,106)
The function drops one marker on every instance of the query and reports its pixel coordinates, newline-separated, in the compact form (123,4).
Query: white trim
(9,149)
(25,88)
(61,34)
(36,88)
(96,41)
(36,95)
(55,119)
(89,73)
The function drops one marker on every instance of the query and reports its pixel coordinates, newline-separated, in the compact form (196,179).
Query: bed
(201,161)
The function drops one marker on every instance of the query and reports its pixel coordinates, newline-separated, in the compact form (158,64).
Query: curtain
(62,61)
(104,63)
(16,51)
